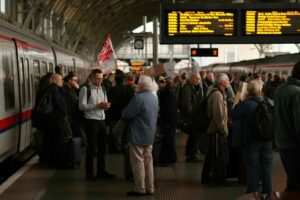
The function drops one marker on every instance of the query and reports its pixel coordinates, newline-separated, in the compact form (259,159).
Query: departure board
(270,22)
(229,23)
(205,23)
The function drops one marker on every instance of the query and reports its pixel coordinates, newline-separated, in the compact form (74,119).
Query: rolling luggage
(73,152)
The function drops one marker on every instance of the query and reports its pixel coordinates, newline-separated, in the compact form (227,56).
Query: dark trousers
(54,142)
(216,160)
(96,146)
(168,151)
(192,144)
(291,163)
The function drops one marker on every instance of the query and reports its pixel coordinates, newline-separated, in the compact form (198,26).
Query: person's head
(203,74)
(254,87)
(71,80)
(45,81)
(96,77)
(222,81)
(194,78)
(119,76)
(270,76)
(162,82)
(296,71)
(57,69)
(210,76)
(57,80)
(146,83)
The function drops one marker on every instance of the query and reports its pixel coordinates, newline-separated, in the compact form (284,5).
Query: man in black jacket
(56,130)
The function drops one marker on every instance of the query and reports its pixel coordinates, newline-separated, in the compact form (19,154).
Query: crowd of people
(206,106)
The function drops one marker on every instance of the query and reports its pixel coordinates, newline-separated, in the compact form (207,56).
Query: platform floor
(174,183)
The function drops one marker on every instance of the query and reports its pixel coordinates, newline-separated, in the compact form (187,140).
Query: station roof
(89,21)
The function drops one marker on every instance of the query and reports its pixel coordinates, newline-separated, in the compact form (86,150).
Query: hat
(161,79)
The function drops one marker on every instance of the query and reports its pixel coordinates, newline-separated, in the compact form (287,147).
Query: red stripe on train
(10,121)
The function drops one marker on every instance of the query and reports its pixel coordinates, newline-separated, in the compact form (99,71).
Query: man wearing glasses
(93,105)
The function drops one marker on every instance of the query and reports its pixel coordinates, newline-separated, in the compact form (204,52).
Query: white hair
(147,83)
(192,73)
(219,78)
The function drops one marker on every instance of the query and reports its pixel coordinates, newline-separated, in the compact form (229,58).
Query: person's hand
(103,105)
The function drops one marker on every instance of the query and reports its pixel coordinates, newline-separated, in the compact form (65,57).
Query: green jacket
(287,114)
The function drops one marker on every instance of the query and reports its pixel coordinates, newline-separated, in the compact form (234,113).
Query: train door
(9,107)
(24,97)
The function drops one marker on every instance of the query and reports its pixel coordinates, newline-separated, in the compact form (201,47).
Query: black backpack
(203,117)
(42,111)
(265,121)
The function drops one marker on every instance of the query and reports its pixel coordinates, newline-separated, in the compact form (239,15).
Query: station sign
(230,23)
(137,63)
(204,52)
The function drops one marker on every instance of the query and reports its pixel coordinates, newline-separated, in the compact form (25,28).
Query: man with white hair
(216,160)
(142,115)
(192,95)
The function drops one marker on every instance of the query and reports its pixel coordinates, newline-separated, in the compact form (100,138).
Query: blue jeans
(259,162)
(291,162)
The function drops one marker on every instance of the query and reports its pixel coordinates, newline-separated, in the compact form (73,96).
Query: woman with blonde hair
(257,152)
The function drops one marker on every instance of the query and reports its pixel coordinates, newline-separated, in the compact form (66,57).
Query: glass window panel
(43,68)
(8,80)
(36,66)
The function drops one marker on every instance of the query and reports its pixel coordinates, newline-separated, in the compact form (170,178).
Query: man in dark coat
(168,118)
(192,95)
(56,131)
(287,127)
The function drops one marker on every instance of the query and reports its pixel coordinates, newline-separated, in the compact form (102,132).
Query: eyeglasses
(99,79)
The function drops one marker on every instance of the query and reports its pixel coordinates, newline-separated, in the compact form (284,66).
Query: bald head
(57,80)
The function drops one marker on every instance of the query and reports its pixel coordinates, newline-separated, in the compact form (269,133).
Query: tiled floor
(179,182)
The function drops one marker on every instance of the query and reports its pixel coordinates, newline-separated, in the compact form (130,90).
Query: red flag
(107,57)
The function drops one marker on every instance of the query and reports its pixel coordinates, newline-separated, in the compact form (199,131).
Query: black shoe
(91,178)
(149,193)
(135,194)
(106,175)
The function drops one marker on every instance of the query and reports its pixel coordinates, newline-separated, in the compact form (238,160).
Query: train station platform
(183,181)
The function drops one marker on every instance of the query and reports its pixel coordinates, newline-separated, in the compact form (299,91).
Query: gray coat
(142,115)
(287,112)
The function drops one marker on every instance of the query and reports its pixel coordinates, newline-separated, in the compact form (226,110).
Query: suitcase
(73,152)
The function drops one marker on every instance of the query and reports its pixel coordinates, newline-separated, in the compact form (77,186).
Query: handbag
(67,130)
(119,133)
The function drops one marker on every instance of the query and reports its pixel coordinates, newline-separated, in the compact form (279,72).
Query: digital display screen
(229,23)
(271,22)
(206,23)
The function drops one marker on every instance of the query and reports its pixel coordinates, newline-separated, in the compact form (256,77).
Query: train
(24,59)
(280,65)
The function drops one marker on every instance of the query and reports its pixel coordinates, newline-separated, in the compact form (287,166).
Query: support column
(155,41)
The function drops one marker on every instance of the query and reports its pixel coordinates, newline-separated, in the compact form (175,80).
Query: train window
(64,69)
(8,80)
(36,80)
(51,67)
(43,68)
(36,67)
(28,80)
(22,81)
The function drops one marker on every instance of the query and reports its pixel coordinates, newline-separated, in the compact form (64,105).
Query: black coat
(59,103)
(168,112)
(119,96)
